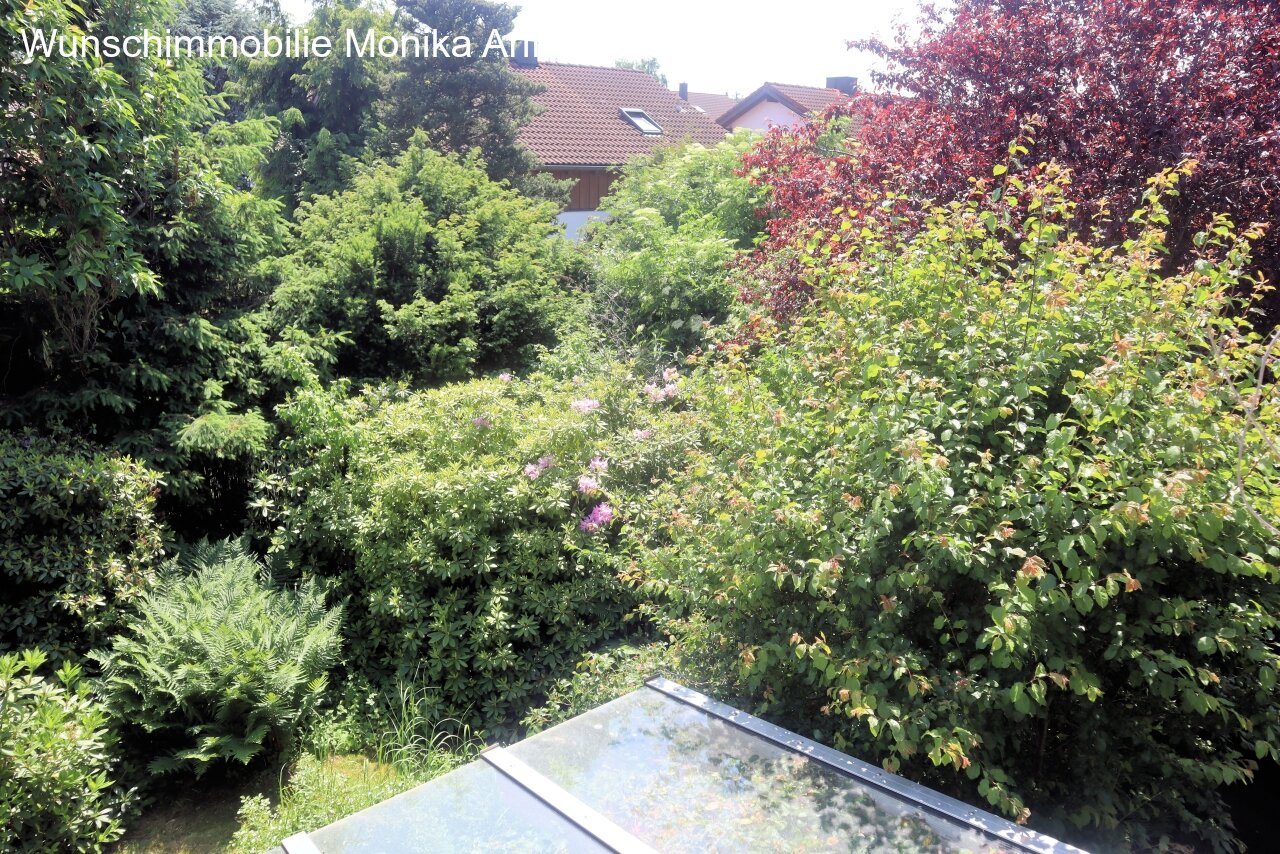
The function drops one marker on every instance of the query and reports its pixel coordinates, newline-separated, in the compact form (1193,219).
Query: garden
(942,428)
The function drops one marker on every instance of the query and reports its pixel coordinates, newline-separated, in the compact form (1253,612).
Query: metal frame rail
(1003,831)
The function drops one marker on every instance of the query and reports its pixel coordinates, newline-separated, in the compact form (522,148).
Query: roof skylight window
(642,121)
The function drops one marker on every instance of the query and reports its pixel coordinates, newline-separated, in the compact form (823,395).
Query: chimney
(847,85)
(526,55)
(684,91)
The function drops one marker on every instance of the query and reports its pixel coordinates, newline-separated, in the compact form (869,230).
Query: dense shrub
(55,758)
(689,183)
(600,677)
(78,541)
(471,528)
(678,218)
(430,268)
(219,664)
(977,516)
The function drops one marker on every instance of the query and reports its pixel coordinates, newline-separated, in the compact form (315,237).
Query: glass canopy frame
(666,768)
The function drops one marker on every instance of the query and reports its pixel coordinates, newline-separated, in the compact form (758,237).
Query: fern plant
(220,664)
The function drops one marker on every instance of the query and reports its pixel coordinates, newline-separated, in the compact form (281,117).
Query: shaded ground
(199,817)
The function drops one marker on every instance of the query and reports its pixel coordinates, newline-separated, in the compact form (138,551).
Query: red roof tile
(713,105)
(800,99)
(812,98)
(581,123)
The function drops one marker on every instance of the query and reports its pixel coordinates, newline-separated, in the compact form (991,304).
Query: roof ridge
(596,67)
(801,86)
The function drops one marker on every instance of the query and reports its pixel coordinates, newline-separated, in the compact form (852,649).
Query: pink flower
(657,395)
(642,434)
(670,375)
(534,470)
(505,377)
(600,515)
(587,404)
(599,465)
(482,422)
(588,485)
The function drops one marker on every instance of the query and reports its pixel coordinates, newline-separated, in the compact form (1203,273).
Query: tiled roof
(580,124)
(714,105)
(811,98)
(800,99)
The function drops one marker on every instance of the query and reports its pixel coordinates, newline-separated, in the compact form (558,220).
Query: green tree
(472,103)
(207,18)
(337,110)
(678,219)
(126,239)
(325,105)
(648,65)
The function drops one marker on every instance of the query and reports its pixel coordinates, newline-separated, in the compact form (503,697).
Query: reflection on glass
(683,780)
(471,809)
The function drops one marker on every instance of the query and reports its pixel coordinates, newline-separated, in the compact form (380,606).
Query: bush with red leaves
(1117,92)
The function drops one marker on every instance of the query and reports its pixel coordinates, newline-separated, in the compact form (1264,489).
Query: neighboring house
(595,119)
(781,104)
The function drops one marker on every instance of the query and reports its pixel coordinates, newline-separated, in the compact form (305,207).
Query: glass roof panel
(683,780)
(473,808)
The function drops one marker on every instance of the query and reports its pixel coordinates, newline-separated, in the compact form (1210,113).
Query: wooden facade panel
(591,186)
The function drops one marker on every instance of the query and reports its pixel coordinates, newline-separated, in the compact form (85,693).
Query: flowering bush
(993,513)
(600,515)
(474,562)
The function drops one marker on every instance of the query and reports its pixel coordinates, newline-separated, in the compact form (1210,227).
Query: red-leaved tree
(1119,90)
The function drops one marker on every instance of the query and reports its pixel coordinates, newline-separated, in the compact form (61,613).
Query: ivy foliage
(996,513)
(219,664)
(430,268)
(79,543)
(470,529)
(56,756)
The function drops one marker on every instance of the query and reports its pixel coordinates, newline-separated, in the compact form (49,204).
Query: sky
(713,45)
